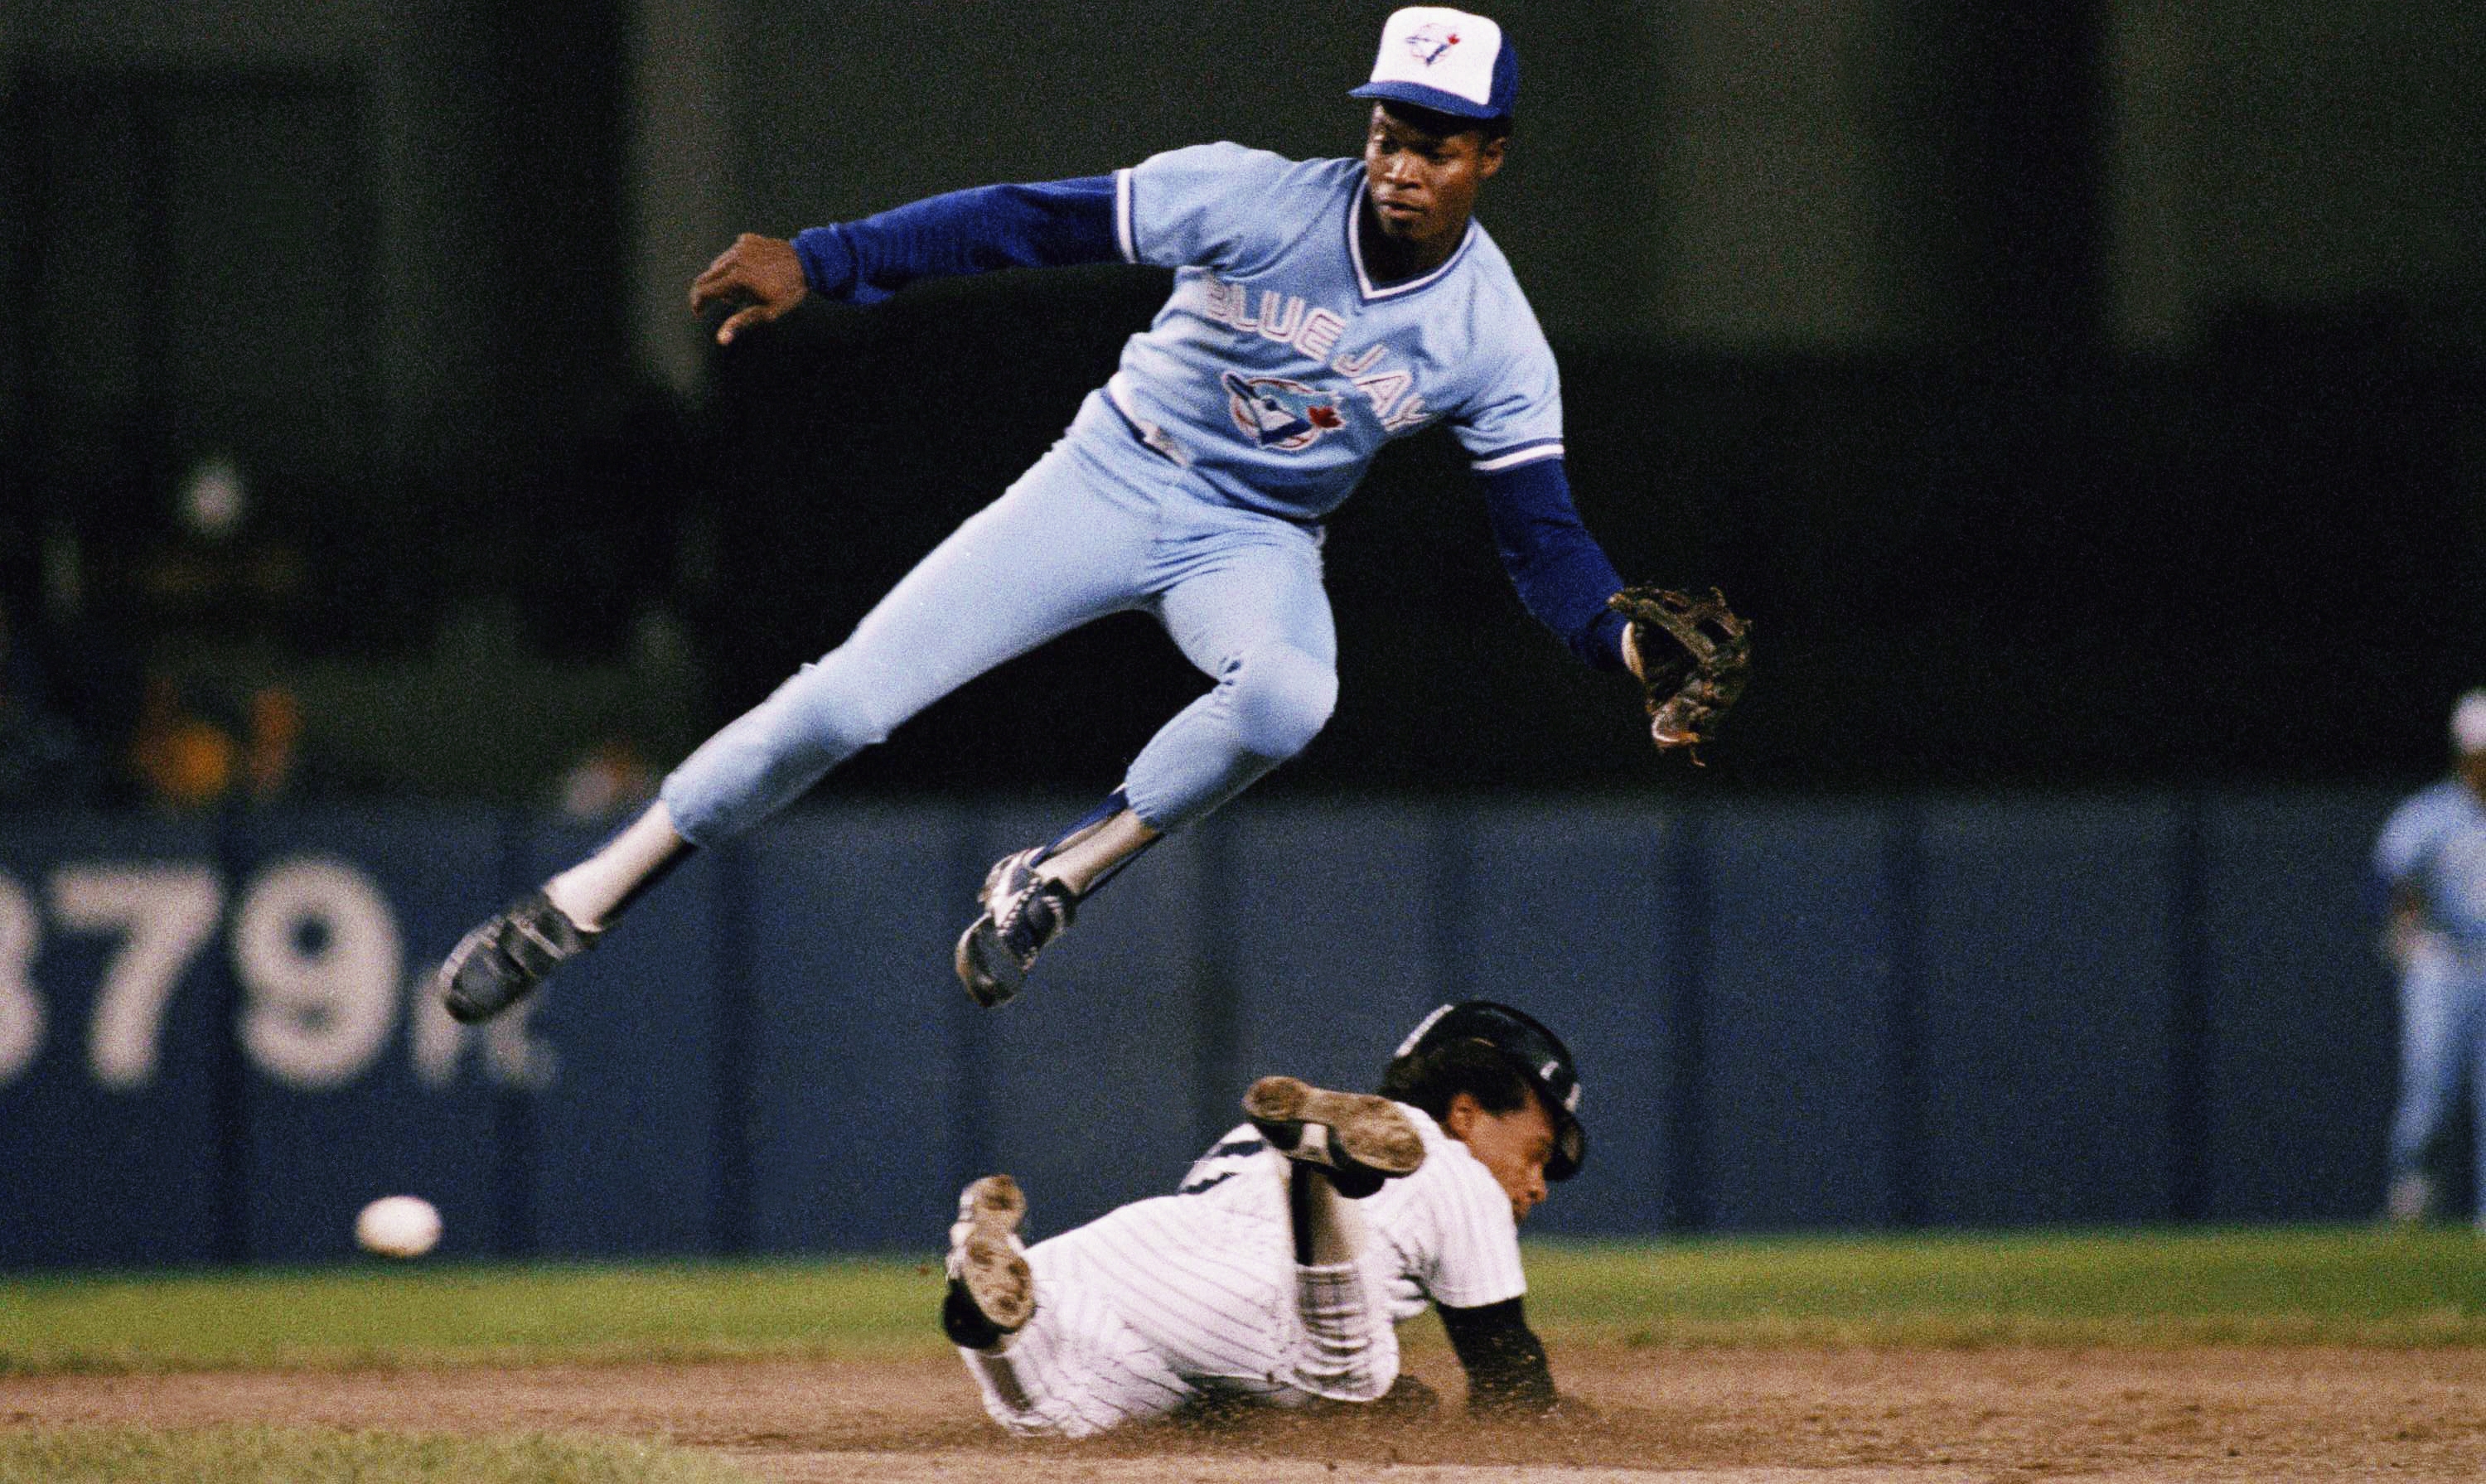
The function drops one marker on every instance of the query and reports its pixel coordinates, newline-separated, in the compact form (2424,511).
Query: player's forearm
(1504,1359)
(1561,572)
(1051,223)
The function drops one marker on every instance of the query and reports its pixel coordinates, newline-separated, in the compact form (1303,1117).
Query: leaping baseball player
(1320,309)
(1278,1272)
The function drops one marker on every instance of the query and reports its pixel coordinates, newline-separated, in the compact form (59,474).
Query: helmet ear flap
(1571,1150)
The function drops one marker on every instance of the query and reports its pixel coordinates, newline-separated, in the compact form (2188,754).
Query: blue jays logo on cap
(1430,39)
(1445,60)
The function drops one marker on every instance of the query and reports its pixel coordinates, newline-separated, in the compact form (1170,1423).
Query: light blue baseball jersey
(1278,366)
(2436,844)
(1278,369)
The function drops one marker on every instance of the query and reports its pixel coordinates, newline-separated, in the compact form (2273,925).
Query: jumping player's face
(1424,186)
(1514,1145)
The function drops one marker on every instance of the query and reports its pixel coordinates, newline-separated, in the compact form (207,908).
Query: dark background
(2073,395)
(2079,397)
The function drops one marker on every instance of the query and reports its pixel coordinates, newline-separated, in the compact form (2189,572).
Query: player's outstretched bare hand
(761,273)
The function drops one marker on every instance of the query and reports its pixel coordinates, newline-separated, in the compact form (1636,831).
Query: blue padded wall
(2303,1041)
(623,1143)
(407,1120)
(1802,996)
(140,1173)
(1329,914)
(854,1028)
(2047,949)
(1960,1013)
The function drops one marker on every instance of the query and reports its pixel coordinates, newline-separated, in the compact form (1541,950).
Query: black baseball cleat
(1360,1139)
(500,963)
(992,1290)
(1023,912)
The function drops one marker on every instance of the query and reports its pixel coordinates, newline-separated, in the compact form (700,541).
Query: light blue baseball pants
(1100,524)
(2442,1039)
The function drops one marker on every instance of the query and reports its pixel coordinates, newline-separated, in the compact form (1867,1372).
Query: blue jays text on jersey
(1279,367)
(1289,415)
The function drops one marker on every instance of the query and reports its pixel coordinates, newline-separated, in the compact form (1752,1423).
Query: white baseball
(399,1227)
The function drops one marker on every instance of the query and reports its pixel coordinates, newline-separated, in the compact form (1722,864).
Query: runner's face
(1424,186)
(1514,1145)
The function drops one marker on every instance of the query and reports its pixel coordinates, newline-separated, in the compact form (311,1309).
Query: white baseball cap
(1445,60)
(2469,723)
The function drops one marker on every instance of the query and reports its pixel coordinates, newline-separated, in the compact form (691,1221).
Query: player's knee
(827,708)
(1282,698)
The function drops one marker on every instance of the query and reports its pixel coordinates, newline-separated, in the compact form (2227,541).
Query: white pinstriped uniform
(1198,1292)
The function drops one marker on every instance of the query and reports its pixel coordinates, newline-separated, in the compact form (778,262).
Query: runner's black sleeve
(1504,1359)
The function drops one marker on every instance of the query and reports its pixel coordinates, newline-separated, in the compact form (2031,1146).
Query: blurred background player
(2431,862)
(1280,1269)
(1320,309)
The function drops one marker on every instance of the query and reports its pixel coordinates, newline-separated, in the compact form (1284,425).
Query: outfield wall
(1925,1012)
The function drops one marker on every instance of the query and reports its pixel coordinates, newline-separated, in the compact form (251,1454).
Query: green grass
(430,1314)
(287,1455)
(2352,1286)
(2347,1287)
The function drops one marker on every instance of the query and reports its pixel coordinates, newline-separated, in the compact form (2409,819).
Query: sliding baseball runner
(1280,1269)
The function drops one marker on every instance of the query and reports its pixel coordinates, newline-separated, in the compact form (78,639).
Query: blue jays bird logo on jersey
(1279,413)
(1430,41)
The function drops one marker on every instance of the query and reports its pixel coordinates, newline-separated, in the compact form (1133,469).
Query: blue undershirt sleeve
(1052,224)
(1561,574)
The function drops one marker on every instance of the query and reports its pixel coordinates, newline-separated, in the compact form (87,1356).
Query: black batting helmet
(1539,1053)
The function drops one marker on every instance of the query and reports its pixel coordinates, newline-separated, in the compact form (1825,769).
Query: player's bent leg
(1342,1147)
(1069,1367)
(1269,703)
(1243,600)
(1357,1139)
(1252,616)
(992,1290)
(1064,546)
(1219,746)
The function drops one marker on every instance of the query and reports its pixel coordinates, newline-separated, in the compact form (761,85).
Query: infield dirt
(1726,1415)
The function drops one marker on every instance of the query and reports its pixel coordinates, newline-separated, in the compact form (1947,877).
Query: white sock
(593,889)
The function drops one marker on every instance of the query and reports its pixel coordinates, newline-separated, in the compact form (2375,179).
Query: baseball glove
(1692,655)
